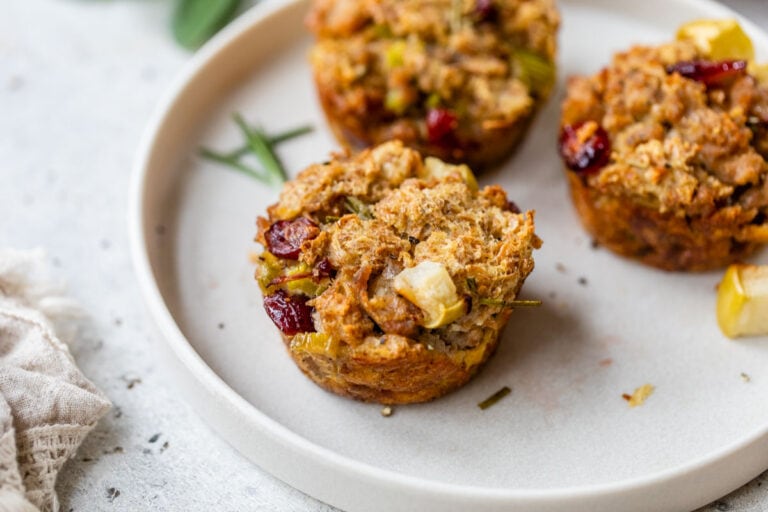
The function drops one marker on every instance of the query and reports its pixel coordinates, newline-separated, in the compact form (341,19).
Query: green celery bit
(535,71)
(356,206)
(396,101)
(433,100)
(395,54)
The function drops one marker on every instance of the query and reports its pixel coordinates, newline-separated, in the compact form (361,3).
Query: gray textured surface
(78,81)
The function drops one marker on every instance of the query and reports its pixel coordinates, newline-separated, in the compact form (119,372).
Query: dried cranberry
(323,269)
(486,11)
(285,237)
(585,147)
(290,313)
(711,74)
(441,124)
(511,206)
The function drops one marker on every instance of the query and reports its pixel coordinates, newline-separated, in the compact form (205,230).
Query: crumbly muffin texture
(377,214)
(457,79)
(686,184)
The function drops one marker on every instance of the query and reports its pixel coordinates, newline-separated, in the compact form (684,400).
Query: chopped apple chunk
(718,39)
(429,286)
(742,301)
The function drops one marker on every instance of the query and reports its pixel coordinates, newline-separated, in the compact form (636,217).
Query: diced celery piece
(534,70)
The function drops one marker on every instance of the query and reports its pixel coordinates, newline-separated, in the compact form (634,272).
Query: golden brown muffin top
(677,144)
(528,23)
(396,59)
(404,214)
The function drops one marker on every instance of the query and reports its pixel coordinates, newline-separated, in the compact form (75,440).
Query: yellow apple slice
(429,286)
(742,301)
(718,39)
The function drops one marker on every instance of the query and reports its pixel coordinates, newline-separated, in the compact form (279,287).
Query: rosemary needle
(262,147)
(512,303)
(494,398)
(234,162)
(274,140)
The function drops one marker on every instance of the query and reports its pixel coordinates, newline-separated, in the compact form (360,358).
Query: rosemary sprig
(233,162)
(262,147)
(494,398)
(274,140)
(511,303)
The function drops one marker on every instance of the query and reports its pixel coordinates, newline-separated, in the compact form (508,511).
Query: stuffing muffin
(392,277)
(460,80)
(666,153)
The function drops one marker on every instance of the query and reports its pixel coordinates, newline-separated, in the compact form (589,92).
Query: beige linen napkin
(47,406)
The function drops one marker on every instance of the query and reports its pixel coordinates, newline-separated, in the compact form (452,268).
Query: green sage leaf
(195,21)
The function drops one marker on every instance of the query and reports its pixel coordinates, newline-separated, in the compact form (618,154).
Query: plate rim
(200,374)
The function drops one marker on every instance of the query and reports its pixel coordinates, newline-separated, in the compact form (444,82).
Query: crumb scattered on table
(112,493)
(387,411)
(745,377)
(130,382)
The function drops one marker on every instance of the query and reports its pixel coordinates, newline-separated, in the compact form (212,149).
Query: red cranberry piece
(289,313)
(441,124)
(323,269)
(511,206)
(709,73)
(285,237)
(585,147)
(485,11)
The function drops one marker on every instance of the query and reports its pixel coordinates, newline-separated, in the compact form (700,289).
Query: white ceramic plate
(564,440)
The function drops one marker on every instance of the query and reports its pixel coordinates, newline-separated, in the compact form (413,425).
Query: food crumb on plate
(639,396)
(745,377)
(387,411)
